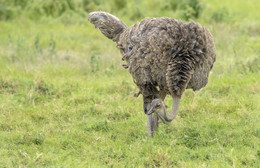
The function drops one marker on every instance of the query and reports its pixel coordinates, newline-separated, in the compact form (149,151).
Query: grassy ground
(65,100)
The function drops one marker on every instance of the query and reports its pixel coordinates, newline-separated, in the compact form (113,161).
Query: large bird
(164,56)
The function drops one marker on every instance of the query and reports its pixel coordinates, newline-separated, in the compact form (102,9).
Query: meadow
(66,101)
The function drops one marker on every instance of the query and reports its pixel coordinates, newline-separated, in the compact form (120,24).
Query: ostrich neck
(167,118)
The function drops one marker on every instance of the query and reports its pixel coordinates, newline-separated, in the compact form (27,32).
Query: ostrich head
(158,106)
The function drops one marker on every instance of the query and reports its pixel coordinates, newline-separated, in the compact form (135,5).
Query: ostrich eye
(158,105)
(130,48)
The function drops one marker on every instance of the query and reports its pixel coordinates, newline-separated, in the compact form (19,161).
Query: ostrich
(164,56)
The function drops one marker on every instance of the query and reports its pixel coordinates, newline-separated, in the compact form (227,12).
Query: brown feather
(162,53)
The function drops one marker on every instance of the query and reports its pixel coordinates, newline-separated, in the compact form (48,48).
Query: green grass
(65,100)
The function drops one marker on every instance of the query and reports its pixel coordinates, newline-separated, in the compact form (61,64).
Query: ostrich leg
(150,125)
(155,124)
(152,120)
(146,107)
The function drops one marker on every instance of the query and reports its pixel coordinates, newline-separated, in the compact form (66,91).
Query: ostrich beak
(151,110)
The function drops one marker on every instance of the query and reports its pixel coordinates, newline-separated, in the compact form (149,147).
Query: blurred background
(65,99)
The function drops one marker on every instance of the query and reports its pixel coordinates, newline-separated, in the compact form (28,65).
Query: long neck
(167,118)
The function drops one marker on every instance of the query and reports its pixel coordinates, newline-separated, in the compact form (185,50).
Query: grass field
(66,101)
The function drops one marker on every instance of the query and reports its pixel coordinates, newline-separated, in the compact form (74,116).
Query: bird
(165,56)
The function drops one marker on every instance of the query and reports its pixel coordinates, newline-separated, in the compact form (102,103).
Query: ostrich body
(164,56)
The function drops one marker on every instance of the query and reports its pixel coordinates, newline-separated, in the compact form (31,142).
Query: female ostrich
(164,56)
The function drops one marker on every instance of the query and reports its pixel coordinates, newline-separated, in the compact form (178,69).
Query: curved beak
(151,111)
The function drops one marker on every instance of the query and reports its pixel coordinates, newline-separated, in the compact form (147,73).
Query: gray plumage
(164,56)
